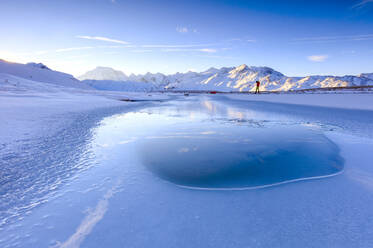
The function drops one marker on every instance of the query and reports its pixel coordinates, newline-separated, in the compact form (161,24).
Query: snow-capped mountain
(157,79)
(104,73)
(240,78)
(39,73)
(226,79)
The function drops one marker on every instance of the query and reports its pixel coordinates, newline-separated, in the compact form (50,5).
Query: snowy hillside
(40,73)
(240,78)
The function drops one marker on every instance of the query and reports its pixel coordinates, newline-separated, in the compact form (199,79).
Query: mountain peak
(104,73)
(211,70)
(241,67)
(104,68)
(38,65)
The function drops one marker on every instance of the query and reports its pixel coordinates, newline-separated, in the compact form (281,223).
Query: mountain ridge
(225,79)
(239,78)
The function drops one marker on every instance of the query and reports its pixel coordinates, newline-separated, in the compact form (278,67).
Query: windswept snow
(43,135)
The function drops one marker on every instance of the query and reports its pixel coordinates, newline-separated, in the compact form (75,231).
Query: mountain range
(226,79)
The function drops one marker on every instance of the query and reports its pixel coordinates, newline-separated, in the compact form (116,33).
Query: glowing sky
(295,37)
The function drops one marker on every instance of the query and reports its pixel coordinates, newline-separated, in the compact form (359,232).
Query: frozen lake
(199,172)
(224,148)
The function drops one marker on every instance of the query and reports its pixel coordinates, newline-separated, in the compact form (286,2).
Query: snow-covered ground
(70,176)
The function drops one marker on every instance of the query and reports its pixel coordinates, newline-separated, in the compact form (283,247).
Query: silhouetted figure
(257,87)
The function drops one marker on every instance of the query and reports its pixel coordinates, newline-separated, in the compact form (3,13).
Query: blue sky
(295,37)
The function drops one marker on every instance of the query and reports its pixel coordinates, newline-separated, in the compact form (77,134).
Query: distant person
(257,87)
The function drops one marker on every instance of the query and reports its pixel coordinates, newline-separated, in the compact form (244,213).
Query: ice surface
(209,154)
(113,200)
(258,158)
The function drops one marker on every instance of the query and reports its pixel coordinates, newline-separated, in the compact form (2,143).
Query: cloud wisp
(207,50)
(102,39)
(177,46)
(142,51)
(182,29)
(185,30)
(203,50)
(362,4)
(317,58)
(326,39)
(73,49)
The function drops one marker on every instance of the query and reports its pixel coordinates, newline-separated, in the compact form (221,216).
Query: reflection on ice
(207,145)
(242,157)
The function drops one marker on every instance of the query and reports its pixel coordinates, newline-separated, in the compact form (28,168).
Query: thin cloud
(35,53)
(73,49)
(326,39)
(182,30)
(142,51)
(348,52)
(176,50)
(241,40)
(216,57)
(204,50)
(362,4)
(79,56)
(102,39)
(185,30)
(317,58)
(111,53)
(207,50)
(111,46)
(234,39)
(176,46)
